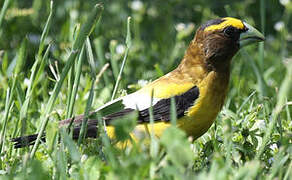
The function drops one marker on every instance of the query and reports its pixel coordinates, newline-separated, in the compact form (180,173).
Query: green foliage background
(258,103)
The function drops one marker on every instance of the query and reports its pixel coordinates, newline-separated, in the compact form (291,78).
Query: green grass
(55,64)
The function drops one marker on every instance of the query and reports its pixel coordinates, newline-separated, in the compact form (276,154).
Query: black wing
(161,110)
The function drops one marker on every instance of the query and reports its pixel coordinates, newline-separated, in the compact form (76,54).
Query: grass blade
(75,84)
(3,10)
(128,45)
(8,105)
(173,111)
(91,93)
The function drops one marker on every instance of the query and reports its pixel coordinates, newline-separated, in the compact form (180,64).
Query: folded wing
(123,106)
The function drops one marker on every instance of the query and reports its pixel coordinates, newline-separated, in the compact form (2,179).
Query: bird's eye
(229,31)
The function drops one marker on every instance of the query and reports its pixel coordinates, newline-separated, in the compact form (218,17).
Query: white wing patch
(139,101)
(134,101)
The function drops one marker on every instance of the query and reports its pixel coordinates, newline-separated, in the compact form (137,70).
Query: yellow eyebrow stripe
(229,21)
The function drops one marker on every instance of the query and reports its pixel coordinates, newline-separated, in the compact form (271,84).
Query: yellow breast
(201,116)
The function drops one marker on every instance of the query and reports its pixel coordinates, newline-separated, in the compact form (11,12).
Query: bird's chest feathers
(212,94)
(199,117)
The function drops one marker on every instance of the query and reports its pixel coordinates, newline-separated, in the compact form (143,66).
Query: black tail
(24,141)
(29,140)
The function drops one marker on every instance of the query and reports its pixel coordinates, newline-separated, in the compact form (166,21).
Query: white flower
(279,25)
(26,82)
(274,147)
(152,11)
(74,14)
(180,26)
(137,5)
(284,2)
(84,157)
(261,124)
(120,49)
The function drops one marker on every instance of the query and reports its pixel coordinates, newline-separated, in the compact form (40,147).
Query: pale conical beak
(252,35)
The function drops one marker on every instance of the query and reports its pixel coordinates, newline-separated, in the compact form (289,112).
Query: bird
(198,85)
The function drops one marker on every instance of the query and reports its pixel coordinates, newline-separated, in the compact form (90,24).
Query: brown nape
(193,65)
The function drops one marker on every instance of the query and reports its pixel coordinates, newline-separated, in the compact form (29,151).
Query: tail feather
(24,141)
(29,140)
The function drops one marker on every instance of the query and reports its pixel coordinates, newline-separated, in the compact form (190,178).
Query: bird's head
(220,39)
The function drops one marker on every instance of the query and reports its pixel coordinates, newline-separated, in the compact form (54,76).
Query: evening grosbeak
(198,86)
